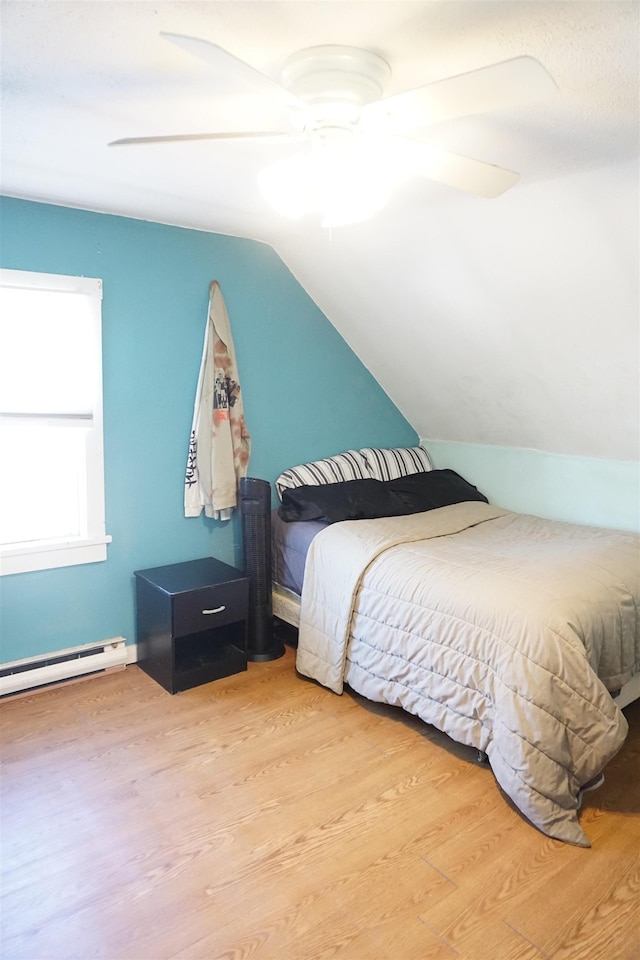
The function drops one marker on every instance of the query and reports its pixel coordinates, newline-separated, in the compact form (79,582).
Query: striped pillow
(349,465)
(389,464)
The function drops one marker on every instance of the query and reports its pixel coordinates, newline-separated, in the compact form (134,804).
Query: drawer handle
(216,610)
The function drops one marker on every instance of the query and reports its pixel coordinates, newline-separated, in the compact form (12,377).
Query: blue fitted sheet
(289,545)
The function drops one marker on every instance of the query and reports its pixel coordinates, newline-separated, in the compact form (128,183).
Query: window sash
(90,544)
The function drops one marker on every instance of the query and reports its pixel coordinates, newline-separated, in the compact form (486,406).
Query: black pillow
(350,500)
(433,489)
(368,499)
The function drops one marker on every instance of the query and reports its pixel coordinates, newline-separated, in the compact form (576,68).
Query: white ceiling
(510,321)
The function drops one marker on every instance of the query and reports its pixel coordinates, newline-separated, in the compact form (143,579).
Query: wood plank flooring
(262,816)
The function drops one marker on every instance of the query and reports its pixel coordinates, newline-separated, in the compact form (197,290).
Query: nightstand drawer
(210,607)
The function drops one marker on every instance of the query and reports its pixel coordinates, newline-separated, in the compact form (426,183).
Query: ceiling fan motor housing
(336,82)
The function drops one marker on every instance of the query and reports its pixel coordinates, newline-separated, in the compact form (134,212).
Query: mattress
(289,545)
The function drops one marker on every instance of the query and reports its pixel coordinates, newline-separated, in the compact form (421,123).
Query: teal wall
(587,490)
(305,392)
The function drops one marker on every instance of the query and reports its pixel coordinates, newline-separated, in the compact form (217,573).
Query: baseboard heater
(34,673)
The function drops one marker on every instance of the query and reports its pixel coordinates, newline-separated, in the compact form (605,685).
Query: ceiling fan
(357,144)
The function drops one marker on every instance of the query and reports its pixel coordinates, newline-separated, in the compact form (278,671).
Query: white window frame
(91,545)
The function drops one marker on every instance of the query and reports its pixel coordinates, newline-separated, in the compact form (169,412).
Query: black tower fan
(255,510)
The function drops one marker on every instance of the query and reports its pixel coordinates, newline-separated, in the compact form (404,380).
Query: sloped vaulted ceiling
(511,321)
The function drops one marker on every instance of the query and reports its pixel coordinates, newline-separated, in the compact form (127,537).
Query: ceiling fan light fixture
(336,73)
(338,180)
(286,188)
(353,203)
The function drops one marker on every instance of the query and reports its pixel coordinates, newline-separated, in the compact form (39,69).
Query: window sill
(52,554)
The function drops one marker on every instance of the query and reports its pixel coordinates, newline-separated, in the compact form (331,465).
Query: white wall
(512,322)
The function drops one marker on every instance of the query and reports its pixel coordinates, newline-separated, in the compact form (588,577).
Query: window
(51,456)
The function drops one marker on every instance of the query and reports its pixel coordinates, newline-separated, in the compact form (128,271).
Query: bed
(517,636)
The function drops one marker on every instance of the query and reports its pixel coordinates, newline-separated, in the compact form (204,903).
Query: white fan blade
(501,85)
(463,173)
(171,138)
(230,69)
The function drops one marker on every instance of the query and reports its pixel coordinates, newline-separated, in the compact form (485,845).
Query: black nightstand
(191,622)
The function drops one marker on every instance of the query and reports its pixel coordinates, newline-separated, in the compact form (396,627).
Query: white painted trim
(47,556)
(61,283)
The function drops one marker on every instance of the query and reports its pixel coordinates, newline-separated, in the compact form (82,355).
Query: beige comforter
(503,630)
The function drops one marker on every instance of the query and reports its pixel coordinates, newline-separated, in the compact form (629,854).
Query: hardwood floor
(262,816)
